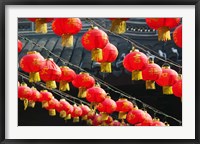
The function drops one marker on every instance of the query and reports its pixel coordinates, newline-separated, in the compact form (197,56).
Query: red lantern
(41,24)
(157,122)
(163,25)
(67,76)
(135,116)
(123,106)
(135,62)
(115,123)
(77,112)
(90,116)
(147,121)
(95,40)
(110,54)
(95,95)
(24,93)
(108,121)
(45,97)
(151,73)
(66,27)
(168,78)
(177,88)
(85,111)
(83,81)
(97,120)
(34,97)
(106,107)
(49,73)
(32,64)
(20,45)
(118,25)
(177,36)
(53,104)
(65,109)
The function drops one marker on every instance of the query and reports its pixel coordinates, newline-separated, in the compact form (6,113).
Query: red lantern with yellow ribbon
(157,122)
(66,28)
(24,93)
(135,62)
(97,120)
(177,36)
(163,26)
(49,73)
(52,106)
(110,54)
(115,123)
(106,107)
(147,121)
(95,40)
(151,73)
(85,111)
(34,97)
(83,81)
(20,45)
(40,24)
(67,76)
(177,87)
(118,25)
(32,63)
(135,116)
(45,97)
(167,79)
(65,109)
(77,112)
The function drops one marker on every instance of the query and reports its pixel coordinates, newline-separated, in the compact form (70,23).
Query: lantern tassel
(25,103)
(82,92)
(167,90)
(136,75)
(89,122)
(62,114)
(31,103)
(64,86)
(118,26)
(45,104)
(34,77)
(40,26)
(104,116)
(52,112)
(84,117)
(51,84)
(150,84)
(97,54)
(67,40)
(106,67)
(76,119)
(164,34)
(122,115)
(68,117)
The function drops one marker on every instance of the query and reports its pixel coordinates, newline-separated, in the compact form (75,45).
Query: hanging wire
(107,85)
(134,43)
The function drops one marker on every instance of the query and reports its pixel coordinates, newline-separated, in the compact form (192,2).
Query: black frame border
(3,4)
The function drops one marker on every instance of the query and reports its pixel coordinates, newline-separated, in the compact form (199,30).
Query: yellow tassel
(64,86)
(106,67)
(34,77)
(104,116)
(63,114)
(89,122)
(31,103)
(40,26)
(167,90)
(150,84)
(84,117)
(164,34)
(51,84)
(82,92)
(136,75)
(76,119)
(118,26)
(45,104)
(122,115)
(67,40)
(25,104)
(97,54)
(52,112)
(68,117)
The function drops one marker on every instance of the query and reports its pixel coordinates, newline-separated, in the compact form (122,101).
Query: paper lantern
(77,112)
(34,97)
(20,45)
(52,106)
(163,26)
(177,36)
(40,24)
(135,62)
(45,97)
(135,116)
(95,40)
(151,73)
(85,111)
(118,25)
(66,28)
(147,120)
(167,79)
(83,81)
(177,87)
(123,106)
(32,64)
(65,109)
(115,123)
(97,120)
(108,121)
(106,107)
(157,122)
(49,73)
(110,54)
(67,76)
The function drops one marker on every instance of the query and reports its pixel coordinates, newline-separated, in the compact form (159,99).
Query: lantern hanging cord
(135,44)
(109,86)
